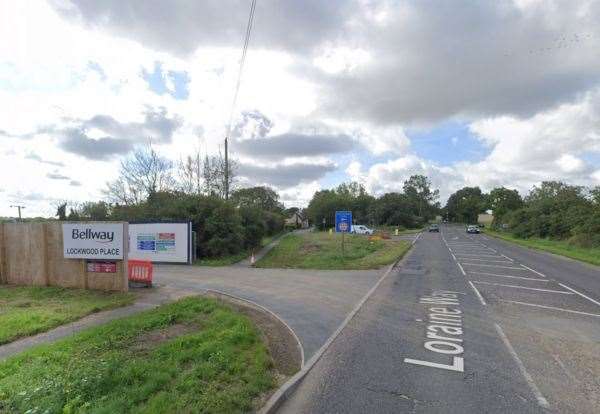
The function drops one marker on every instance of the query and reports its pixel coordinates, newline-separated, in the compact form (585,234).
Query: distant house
(297,220)
(485,218)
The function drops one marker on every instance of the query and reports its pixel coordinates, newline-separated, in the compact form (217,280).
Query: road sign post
(343,224)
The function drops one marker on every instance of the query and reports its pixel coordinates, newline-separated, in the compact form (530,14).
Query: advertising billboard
(160,242)
(101,241)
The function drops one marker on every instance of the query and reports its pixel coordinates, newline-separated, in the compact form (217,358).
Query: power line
(19,208)
(236,92)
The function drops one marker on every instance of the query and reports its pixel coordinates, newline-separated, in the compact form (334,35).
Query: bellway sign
(343,221)
(93,240)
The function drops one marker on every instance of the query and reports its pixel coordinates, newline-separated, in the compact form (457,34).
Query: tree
(213,174)
(61,211)
(141,174)
(95,211)
(393,209)
(190,174)
(263,197)
(418,190)
(502,200)
(465,204)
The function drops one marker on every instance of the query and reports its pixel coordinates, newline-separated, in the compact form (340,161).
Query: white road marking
(580,294)
(511,277)
(487,260)
(523,287)
(536,391)
(550,307)
(461,269)
(506,257)
(416,238)
(478,294)
(477,255)
(443,331)
(500,267)
(564,368)
(534,271)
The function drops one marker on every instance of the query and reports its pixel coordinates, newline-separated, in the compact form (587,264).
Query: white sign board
(93,240)
(160,242)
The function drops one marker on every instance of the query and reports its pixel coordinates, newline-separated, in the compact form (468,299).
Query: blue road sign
(343,221)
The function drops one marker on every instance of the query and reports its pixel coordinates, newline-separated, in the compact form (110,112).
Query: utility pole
(226,170)
(18,208)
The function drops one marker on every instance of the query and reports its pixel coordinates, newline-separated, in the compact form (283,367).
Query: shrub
(273,222)
(254,226)
(587,234)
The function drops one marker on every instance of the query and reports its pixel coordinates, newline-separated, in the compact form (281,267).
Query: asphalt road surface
(466,325)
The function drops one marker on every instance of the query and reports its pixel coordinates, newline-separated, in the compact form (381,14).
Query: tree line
(553,209)
(416,205)
(150,187)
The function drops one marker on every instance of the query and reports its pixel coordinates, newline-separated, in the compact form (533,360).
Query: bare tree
(144,173)
(190,174)
(213,175)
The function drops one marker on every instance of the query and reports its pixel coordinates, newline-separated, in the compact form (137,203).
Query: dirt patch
(151,339)
(310,248)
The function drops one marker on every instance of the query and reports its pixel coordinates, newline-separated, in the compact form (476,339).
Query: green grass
(26,311)
(234,258)
(558,247)
(214,363)
(392,229)
(323,251)
(223,260)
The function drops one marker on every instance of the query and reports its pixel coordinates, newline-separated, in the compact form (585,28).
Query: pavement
(262,252)
(468,324)
(312,302)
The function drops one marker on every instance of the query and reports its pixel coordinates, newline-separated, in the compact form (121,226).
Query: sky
(486,93)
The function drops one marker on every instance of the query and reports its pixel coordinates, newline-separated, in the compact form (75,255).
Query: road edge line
(546,252)
(481,299)
(284,392)
(542,401)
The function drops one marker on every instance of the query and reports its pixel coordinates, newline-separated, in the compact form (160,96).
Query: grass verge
(29,310)
(234,258)
(559,247)
(193,355)
(321,250)
(392,229)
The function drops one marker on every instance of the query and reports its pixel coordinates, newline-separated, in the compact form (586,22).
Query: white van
(360,229)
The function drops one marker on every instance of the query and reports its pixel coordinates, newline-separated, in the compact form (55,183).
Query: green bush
(273,222)
(224,233)
(587,234)
(254,226)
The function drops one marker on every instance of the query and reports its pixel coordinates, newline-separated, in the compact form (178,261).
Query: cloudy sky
(488,93)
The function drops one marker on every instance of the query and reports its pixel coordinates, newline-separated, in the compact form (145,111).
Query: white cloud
(350,74)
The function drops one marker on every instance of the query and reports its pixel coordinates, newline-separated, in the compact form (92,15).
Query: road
(466,325)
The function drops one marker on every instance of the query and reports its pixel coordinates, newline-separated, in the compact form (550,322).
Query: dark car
(434,227)
(473,229)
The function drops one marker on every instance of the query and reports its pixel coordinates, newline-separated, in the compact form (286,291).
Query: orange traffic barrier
(140,271)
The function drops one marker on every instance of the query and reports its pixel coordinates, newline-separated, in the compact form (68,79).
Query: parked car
(360,229)
(434,227)
(473,229)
